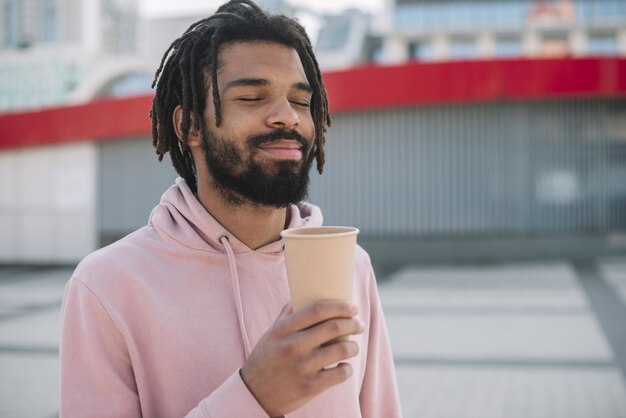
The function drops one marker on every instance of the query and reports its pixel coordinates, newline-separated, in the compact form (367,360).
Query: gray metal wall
(481,170)
(131,183)
(478,170)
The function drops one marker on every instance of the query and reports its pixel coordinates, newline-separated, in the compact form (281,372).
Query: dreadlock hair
(191,62)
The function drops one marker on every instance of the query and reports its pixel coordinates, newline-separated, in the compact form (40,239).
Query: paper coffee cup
(320,263)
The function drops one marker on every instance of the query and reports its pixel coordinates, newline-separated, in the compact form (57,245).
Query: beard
(279,183)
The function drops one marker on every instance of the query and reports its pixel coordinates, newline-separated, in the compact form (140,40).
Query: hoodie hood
(181,216)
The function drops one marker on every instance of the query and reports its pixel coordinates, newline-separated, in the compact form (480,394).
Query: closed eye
(301,103)
(249,99)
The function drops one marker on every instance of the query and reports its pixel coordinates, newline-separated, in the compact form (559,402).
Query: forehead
(259,59)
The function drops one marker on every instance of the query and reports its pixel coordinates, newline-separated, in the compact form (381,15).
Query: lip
(283,149)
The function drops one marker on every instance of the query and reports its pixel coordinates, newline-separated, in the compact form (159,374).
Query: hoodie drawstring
(234,278)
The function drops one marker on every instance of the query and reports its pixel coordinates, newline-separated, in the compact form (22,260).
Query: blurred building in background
(462,130)
(441,30)
(51,50)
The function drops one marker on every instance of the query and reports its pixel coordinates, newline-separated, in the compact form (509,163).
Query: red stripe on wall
(358,89)
(98,120)
(475,81)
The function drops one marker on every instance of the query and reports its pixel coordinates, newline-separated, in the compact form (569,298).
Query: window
(421,51)
(554,45)
(374,50)
(128,85)
(9,24)
(602,45)
(334,34)
(508,47)
(49,21)
(460,14)
(463,48)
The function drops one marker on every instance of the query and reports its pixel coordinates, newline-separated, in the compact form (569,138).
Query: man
(189,316)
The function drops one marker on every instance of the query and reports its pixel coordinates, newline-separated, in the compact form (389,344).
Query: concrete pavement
(524,340)
(505,341)
(29,315)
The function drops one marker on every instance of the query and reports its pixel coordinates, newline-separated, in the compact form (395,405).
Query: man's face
(261,152)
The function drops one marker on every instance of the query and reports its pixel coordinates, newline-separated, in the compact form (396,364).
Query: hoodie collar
(181,216)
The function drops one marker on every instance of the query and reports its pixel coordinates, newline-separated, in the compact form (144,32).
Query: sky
(169,7)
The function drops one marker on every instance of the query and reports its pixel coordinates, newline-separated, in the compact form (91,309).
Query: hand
(290,364)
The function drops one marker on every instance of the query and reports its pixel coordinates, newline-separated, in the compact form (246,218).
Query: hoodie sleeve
(231,400)
(97,378)
(379,392)
(96,373)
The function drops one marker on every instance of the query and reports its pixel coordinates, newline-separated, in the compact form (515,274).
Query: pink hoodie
(159,323)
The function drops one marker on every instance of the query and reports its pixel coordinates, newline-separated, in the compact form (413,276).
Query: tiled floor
(498,341)
(503,341)
(29,316)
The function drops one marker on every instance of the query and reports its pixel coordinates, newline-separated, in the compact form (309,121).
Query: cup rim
(318,232)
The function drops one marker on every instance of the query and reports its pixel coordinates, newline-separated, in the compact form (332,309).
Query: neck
(254,225)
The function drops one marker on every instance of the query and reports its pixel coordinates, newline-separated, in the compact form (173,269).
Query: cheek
(233,129)
(307,126)
(239,125)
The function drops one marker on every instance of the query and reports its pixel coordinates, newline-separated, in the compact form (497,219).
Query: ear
(194,138)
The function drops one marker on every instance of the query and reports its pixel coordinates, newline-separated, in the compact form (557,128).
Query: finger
(286,310)
(332,354)
(333,376)
(330,330)
(319,312)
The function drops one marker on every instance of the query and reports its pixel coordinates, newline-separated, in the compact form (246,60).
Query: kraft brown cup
(320,263)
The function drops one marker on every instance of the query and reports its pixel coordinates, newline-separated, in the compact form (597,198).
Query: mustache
(279,134)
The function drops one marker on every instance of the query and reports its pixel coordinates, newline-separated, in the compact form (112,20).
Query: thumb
(285,311)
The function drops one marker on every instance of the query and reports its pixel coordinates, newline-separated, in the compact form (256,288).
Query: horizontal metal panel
(522,168)
(131,183)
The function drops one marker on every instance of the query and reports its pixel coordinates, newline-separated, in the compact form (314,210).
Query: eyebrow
(261,82)
(303,86)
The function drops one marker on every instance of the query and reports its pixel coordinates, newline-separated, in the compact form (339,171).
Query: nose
(283,115)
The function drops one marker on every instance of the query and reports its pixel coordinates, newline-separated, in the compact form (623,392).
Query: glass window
(480,14)
(49,20)
(377,54)
(508,47)
(607,8)
(374,50)
(463,48)
(602,45)
(554,45)
(128,85)
(594,10)
(460,14)
(583,10)
(428,11)
(334,34)
(10,20)
(421,51)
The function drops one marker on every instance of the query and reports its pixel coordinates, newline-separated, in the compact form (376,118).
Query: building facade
(48,48)
(441,30)
(481,159)
(510,144)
